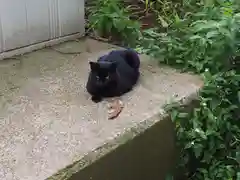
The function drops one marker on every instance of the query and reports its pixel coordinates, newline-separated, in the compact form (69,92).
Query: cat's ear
(94,65)
(113,67)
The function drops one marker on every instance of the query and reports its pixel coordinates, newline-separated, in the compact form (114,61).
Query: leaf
(212,34)
(238,157)
(205,25)
(177,19)
(197,150)
(182,115)
(238,175)
(195,37)
(179,61)
(189,145)
(163,22)
(115,108)
(239,96)
(109,27)
(113,15)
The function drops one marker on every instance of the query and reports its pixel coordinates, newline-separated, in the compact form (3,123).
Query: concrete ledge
(49,128)
(146,151)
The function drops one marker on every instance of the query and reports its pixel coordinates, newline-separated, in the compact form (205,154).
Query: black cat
(113,74)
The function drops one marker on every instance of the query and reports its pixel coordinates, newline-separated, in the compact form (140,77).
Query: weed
(205,39)
(109,19)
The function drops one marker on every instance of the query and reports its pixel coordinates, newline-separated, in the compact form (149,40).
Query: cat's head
(103,73)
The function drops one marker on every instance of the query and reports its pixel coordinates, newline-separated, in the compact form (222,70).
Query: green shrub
(209,135)
(109,19)
(204,37)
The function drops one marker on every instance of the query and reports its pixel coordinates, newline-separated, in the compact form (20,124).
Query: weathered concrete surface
(47,120)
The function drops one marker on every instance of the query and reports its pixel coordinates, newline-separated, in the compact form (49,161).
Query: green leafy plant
(109,19)
(195,43)
(203,36)
(209,135)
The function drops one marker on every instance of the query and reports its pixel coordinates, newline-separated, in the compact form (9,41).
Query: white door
(25,22)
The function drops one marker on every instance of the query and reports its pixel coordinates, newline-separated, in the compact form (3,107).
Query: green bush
(204,38)
(109,19)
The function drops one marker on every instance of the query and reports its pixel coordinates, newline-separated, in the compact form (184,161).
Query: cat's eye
(107,77)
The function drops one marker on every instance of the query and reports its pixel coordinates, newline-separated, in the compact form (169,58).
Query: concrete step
(49,127)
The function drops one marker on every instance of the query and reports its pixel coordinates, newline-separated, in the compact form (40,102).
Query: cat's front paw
(96,99)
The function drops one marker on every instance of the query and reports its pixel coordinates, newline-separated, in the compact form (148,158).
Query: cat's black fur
(113,74)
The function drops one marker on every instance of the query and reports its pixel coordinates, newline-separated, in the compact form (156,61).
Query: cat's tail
(132,58)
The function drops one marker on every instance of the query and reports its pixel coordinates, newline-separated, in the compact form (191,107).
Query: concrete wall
(150,156)
(26,22)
